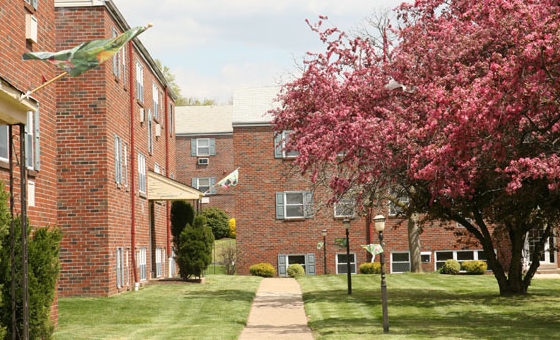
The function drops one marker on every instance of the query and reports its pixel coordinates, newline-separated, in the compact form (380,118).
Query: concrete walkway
(277,312)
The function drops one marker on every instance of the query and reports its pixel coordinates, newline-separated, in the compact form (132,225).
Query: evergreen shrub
(295,270)
(451,266)
(262,269)
(476,267)
(370,268)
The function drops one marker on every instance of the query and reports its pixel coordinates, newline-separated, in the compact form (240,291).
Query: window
(342,265)
(205,184)
(396,209)
(294,205)
(150,133)
(4,143)
(118,60)
(172,268)
(203,147)
(459,255)
(157,168)
(155,101)
(400,261)
(171,120)
(281,142)
(344,208)
(32,139)
(34,3)
(141,173)
(139,82)
(142,267)
(159,266)
(307,261)
(120,267)
(121,162)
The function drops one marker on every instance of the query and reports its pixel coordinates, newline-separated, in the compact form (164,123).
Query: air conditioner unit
(158,130)
(31,28)
(203,161)
(142,115)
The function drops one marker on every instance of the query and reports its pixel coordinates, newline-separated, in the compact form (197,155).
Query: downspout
(132,162)
(168,214)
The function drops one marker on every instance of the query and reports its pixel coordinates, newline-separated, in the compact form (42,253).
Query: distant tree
(197,102)
(218,221)
(182,214)
(464,116)
(170,77)
(195,249)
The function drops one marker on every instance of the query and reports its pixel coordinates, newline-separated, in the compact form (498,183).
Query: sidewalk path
(277,312)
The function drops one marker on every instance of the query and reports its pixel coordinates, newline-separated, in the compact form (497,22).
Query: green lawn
(430,306)
(421,306)
(217,309)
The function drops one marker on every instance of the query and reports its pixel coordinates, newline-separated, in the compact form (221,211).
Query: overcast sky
(215,46)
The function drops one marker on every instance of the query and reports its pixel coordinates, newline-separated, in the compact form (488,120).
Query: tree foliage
(182,214)
(171,79)
(43,272)
(218,221)
(195,249)
(462,116)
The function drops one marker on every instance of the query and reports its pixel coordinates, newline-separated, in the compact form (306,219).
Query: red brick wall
(219,166)
(26,75)
(95,212)
(261,237)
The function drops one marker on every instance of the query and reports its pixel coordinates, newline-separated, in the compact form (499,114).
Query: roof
(200,120)
(251,105)
(14,105)
(161,188)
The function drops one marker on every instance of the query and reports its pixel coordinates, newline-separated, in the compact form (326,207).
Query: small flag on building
(87,55)
(373,249)
(341,242)
(230,180)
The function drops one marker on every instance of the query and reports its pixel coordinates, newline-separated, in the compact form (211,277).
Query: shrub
(43,271)
(295,270)
(232,231)
(182,214)
(370,268)
(262,269)
(228,255)
(474,267)
(195,249)
(451,266)
(218,220)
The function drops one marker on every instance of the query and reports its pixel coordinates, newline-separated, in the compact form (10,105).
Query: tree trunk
(414,244)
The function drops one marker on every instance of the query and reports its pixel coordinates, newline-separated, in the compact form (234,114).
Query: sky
(215,46)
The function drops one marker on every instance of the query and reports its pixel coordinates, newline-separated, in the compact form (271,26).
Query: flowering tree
(462,116)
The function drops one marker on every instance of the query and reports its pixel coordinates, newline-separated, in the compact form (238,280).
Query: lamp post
(380,226)
(324,233)
(346,223)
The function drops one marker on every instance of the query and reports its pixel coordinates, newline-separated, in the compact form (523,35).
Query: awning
(161,188)
(12,109)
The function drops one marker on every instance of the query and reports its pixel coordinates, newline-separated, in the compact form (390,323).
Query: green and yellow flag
(87,55)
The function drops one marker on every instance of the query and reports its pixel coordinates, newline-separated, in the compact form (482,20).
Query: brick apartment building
(204,139)
(26,25)
(280,221)
(116,163)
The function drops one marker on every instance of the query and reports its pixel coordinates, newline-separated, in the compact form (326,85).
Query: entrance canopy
(12,109)
(161,188)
